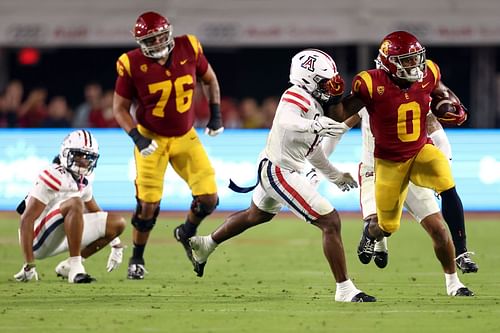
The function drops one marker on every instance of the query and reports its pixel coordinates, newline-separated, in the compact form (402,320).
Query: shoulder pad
(298,97)
(53,177)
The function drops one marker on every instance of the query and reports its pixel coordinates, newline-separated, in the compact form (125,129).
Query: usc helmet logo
(384,48)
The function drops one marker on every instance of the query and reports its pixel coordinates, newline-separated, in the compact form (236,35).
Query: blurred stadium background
(57,69)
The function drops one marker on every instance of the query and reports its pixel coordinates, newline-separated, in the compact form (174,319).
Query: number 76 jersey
(163,93)
(397,116)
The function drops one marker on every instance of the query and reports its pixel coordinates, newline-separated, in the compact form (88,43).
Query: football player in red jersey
(159,78)
(397,95)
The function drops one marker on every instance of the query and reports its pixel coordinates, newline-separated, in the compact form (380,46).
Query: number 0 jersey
(397,116)
(163,93)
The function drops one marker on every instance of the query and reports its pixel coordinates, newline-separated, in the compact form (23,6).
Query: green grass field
(271,279)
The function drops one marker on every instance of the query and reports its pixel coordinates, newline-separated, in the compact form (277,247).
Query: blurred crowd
(34,108)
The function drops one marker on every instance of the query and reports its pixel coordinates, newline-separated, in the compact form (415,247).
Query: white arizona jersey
(55,184)
(368,142)
(289,142)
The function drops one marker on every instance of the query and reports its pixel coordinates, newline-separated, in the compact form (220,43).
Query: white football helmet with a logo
(311,67)
(79,153)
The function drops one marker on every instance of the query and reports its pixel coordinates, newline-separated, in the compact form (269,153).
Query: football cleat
(77,274)
(82,278)
(465,263)
(62,269)
(366,247)
(464,291)
(202,248)
(182,238)
(362,297)
(136,272)
(380,258)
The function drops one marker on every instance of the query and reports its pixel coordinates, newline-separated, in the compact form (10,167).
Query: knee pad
(201,209)
(144,225)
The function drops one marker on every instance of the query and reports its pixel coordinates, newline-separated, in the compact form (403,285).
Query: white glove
(27,273)
(345,182)
(213,132)
(149,149)
(324,126)
(115,258)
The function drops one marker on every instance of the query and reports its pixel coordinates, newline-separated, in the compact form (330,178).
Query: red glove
(335,86)
(457,118)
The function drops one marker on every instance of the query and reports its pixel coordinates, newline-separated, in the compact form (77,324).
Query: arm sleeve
(201,60)
(291,120)
(42,192)
(124,85)
(441,141)
(330,143)
(323,165)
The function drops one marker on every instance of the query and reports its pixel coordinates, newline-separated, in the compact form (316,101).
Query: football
(440,106)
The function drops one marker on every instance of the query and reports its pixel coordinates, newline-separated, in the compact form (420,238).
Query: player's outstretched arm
(343,180)
(350,105)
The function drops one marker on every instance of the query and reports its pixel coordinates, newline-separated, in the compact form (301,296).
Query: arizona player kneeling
(60,214)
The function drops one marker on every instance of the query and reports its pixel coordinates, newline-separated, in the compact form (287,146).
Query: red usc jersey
(163,94)
(397,116)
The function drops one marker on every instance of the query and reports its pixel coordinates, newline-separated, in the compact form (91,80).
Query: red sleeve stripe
(57,181)
(302,107)
(48,183)
(302,98)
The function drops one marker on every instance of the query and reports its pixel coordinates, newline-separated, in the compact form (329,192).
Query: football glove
(146,146)
(324,126)
(27,273)
(115,258)
(214,126)
(345,182)
(457,118)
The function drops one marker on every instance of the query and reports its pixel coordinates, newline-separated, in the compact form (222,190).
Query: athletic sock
(452,283)
(453,213)
(189,229)
(138,254)
(345,291)
(381,246)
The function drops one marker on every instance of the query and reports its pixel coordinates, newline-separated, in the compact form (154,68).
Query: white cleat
(202,247)
(62,269)
(77,274)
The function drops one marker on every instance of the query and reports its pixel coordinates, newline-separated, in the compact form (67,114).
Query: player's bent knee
(116,222)
(329,223)
(74,205)
(203,207)
(143,225)
(389,227)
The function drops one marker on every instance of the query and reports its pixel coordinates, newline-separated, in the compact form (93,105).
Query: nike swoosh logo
(183,61)
(425,85)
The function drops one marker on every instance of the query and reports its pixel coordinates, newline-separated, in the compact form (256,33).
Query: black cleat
(366,247)
(362,297)
(83,278)
(182,238)
(464,291)
(199,268)
(136,272)
(381,258)
(465,263)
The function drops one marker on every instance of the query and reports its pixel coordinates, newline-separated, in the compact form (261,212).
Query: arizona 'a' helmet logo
(309,63)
